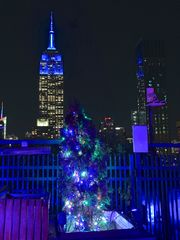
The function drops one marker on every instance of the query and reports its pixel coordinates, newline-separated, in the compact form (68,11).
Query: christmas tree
(83,161)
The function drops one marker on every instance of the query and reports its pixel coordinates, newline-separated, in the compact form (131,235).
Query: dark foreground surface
(107,235)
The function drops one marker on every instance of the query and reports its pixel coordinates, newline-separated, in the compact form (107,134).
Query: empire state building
(51,94)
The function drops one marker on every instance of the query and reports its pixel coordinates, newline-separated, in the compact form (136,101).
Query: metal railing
(146,188)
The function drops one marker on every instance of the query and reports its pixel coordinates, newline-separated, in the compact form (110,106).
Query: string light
(82,160)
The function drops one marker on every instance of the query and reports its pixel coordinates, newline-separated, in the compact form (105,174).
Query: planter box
(107,235)
(23,219)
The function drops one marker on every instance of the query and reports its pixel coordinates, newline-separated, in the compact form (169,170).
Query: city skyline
(98,45)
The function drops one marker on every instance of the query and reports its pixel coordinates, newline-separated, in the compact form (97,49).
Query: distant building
(178,130)
(51,92)
(151,97)
(113,136)
(11,137)
(3,124)
(176,150)
(138,117)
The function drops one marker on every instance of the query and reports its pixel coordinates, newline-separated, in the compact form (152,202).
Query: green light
(67,154)
(84,174)
(85,203)
(104,219)
(62,139)
(87,117)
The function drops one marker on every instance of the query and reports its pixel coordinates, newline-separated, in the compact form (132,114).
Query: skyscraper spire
(51,35)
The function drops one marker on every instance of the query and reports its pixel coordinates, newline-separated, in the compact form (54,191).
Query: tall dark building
(51,93)
(3,123)
(178,130)
(151,97)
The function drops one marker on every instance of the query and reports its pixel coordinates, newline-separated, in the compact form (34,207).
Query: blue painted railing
(145,187)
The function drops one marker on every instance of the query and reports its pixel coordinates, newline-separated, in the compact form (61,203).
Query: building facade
(3,124)
(152,104)
(51,91)
(113,136)
(178,130)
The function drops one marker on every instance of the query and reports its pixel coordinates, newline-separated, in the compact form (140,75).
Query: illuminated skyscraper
(150,73)
(51,93)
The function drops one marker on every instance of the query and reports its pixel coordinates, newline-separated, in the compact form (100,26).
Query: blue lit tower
(151,75)
(51,94)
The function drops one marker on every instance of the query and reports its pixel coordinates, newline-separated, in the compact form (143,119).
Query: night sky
(97,40)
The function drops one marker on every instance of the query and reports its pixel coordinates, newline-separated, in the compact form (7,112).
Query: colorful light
(84,173)
(67,154)
(80,153)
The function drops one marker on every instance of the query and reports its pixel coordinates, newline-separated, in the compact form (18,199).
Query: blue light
(71,131)
(134,210)
(58,58)
(65,131)
(51,48)
(58,73)
(44,57)
(77,147)
(51,70)
(51,36)
(140,73)
(53,58)
(150,213)
(139,61)
(52,41)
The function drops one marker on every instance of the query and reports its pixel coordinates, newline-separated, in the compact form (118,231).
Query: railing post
(138,187)
(132,181)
